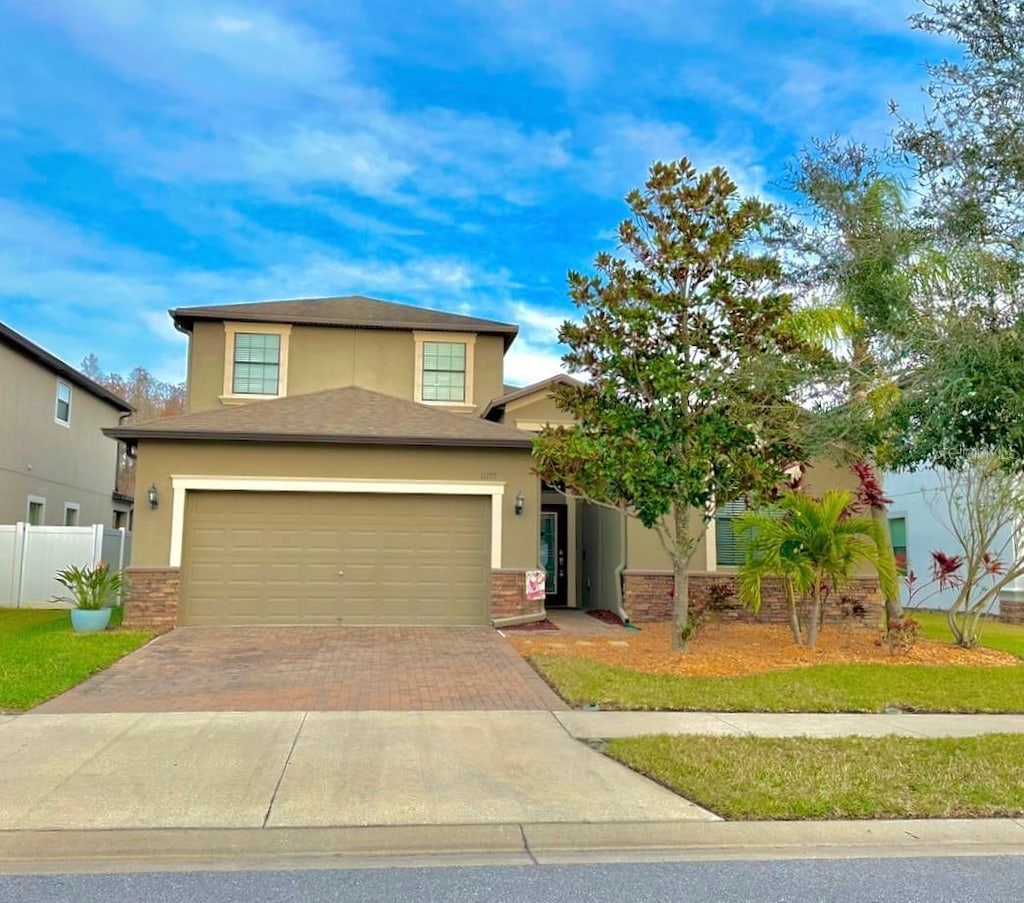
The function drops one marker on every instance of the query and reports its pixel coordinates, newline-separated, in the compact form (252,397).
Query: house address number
(489,475)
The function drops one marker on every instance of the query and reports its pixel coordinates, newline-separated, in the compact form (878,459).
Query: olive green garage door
(335,558)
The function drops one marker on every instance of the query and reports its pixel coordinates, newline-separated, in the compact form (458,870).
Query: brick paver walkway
(315,668)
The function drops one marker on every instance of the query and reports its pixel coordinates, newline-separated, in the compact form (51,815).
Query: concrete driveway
(274,669)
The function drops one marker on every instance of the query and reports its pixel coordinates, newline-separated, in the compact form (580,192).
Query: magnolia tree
(982,506)
(691,360)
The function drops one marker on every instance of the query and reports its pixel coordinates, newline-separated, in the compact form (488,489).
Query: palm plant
(91,588)
(811,545)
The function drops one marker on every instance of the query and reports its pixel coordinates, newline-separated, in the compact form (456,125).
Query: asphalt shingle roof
(349,415)
(354,311)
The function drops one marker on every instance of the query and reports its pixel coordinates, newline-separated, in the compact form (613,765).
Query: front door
(552,554)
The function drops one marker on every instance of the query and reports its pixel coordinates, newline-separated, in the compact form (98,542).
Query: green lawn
(41,657)
(850,777)
(994,634)
(822,688)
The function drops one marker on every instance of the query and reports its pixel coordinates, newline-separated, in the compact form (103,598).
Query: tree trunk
(893,606)
(794,615)
(681,619)
(815,616)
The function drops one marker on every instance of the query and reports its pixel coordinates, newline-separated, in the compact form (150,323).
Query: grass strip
(754,778)
(41,656)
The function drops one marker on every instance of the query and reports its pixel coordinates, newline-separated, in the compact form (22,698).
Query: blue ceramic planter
(90,621)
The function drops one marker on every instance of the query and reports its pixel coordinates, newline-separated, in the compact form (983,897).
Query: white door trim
(182,484)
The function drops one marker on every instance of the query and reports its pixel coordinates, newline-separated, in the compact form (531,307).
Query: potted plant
(93,591)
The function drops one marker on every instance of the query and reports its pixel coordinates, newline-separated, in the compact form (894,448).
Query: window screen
(257,365)
(444,371)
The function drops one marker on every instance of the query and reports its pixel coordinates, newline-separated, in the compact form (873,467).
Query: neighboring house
(56,466)
(354,461)
(919,518)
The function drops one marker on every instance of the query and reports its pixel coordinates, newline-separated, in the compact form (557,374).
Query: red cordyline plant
(869,493)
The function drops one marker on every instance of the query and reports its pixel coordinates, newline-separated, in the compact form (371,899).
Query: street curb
(36,852)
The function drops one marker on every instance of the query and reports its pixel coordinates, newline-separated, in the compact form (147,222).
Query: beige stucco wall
(645,552)
(40,457)
(539,407)
(321,357)
(158,460)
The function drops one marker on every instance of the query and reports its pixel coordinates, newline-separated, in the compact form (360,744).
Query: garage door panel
(274,558)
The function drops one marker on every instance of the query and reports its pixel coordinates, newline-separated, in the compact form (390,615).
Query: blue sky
(457,155)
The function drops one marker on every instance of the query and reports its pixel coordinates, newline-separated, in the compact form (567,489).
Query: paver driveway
(195,669)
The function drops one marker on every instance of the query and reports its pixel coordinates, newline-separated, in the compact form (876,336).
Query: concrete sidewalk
(608,725)
(317,769)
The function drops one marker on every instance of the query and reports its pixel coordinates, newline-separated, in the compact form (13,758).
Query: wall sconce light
(520,501)
(154,498)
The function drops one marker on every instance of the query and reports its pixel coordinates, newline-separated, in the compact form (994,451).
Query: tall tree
(968,152)
(969,146)
(853,256)
(150,397)
(692,363)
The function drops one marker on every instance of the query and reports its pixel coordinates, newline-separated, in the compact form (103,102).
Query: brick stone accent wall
(1011,612)
(152,600)
(508,595)
(649,596)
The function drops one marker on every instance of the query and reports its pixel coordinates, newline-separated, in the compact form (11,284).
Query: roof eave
(129,435)
(55,365)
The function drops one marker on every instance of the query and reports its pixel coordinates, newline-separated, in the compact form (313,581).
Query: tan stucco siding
(159,460)
(533,409)
(645,552)
(40,457)
(322,357)
(488,368)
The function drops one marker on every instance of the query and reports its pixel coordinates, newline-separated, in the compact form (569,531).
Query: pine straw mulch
(734,650)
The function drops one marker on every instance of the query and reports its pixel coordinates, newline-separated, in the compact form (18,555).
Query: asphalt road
(946,880)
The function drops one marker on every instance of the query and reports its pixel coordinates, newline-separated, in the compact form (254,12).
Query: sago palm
(809,544)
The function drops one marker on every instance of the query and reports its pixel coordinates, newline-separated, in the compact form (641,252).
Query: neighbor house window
(36,511)
(62,413)
(898,535)
(257,364)
(728,545)
(444,371)
(70,514)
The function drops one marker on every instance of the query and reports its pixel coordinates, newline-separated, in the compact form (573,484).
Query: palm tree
(810,544)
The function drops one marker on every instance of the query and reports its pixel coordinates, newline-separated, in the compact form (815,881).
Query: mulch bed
(732,650)
(609,617)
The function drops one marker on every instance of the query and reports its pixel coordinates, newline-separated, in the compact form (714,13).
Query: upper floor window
(255,361)
(444,371)
(444,368)
(257,364)
(898,534)
(62,412)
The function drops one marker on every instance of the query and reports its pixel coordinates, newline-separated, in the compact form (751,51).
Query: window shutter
(728,550)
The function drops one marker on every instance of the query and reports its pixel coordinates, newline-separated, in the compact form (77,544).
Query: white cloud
(527,363)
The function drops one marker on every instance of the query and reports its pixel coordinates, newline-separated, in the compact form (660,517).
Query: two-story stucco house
(56,466)
(354,461)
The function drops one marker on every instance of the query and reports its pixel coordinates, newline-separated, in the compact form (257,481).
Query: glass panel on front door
(549,551)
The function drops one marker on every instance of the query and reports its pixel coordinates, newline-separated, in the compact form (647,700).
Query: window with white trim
(71,514)
(444,371)
(36,511)
(62,409)
(256,366)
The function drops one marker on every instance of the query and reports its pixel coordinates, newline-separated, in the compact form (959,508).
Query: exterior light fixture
(154,498)
(520,501)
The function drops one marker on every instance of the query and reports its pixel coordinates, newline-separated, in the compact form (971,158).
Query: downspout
(620,608)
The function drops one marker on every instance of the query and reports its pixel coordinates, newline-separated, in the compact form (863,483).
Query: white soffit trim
(182,484)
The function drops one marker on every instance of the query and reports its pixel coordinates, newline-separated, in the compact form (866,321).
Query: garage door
(335,558)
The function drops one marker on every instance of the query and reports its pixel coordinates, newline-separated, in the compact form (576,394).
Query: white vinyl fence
(30,556)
